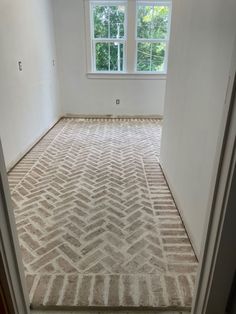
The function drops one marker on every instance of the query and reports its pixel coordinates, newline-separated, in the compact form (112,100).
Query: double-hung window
(108,30)
(128,36)
(152,26)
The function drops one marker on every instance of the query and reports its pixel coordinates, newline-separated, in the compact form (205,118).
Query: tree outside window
(109,26)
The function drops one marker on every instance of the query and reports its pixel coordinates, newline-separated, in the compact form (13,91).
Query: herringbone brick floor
(96,221)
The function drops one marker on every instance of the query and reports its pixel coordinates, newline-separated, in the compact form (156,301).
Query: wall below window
(29,101)
(81,95)
(201,48)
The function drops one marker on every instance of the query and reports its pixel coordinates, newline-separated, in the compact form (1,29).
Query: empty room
(116,118)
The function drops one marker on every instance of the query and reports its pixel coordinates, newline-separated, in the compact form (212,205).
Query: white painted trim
(89,28)
(130,42)
(153,2)
(164,40)
(10,255)
(131,31)
(181,212)
(127,76)
(88,36)
(29,147)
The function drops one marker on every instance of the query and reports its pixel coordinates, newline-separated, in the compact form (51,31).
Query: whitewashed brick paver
(96,221)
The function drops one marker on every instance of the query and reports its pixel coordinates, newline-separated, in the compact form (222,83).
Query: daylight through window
(112,41)
(109,31)
(152,37)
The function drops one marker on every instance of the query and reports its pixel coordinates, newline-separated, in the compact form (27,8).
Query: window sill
(127,76)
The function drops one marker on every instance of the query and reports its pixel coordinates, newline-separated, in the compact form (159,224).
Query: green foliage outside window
(109,23)
(151,56)
(109,56)
(152,24)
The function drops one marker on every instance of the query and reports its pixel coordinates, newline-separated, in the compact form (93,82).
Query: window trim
(93,40)
(130,52)
(105,40)
(127,76)
(166,40)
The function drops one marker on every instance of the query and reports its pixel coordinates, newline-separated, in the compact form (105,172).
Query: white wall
(81,95)
(29,103)
(200,54)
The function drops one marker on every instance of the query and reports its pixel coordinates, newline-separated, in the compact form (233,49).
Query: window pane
(117,20)
(144,21)
(158,56)
(152,22)
(109,21)
(109,56)
(100,20)
(102,57)
(116,56)
(151,56)
(144,57)
(160,22)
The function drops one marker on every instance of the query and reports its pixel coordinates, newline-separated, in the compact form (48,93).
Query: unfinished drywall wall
(81,95)
(29,98)
(201,47)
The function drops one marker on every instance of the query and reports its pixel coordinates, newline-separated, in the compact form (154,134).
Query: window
(152,36)
(108,36)
(129,37)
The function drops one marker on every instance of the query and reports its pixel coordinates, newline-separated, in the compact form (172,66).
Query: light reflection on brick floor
(96,221)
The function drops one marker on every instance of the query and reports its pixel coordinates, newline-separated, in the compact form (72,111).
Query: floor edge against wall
(112,116)
(14,162)
(180,210)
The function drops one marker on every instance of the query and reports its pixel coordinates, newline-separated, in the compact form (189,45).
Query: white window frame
(130,46)
(148,40)
(107,40)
